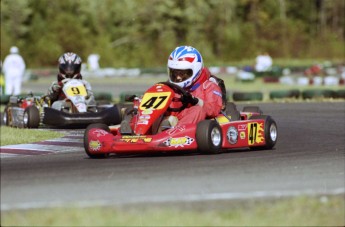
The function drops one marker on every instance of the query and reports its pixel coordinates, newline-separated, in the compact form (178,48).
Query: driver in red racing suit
(205,93)
(185,67)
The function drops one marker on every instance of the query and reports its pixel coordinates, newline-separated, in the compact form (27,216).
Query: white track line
(165,199)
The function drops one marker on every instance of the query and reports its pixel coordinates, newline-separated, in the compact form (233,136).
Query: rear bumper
(55,117)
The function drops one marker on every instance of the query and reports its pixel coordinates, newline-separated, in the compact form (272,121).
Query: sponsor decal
(147,111)
(95,145)
(179,141)
(242,127)
(99,132)
(232,135)
(255,133)
(136,139)
(144,117)
(176,129)
(242,135)
(142,122)
(217,93)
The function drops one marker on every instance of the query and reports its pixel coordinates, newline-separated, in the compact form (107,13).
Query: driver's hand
(188,98)
(56,87)
(46,99)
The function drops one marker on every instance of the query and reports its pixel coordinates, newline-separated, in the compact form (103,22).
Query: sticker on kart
(154,100)
(179,142)
(255,133)
(136,139)
(95,145)
(77,89)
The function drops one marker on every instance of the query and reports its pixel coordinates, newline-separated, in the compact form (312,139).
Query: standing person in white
(92,61)
(263,62)
(13,68)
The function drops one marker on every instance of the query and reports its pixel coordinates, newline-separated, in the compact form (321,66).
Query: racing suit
(55,92)
(14,69)
(210,101)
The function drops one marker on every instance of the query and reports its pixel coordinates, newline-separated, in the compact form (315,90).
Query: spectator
(263,62)
(14,69)
(92,62)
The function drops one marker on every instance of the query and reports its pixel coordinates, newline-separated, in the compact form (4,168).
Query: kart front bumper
(55,117)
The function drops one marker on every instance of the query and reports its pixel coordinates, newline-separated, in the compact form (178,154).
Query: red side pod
(244,133)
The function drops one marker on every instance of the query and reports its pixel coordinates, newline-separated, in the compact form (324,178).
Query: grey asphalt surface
(308,159)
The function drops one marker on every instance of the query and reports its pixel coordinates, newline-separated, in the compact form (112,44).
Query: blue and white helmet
(184,66)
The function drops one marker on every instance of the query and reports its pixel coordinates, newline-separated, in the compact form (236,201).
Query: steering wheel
(177,89)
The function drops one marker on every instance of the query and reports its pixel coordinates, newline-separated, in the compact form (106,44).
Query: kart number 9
(79,90)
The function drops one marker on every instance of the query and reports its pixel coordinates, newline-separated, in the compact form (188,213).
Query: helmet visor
(180,75)
(69,70)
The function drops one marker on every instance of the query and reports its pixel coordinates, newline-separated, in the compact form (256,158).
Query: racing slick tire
(318,94)
(86,140)
(209,137)
(271,132)
(247,96)
(255,109)
(341,94)
(31,117)
(294,93)
(7,118)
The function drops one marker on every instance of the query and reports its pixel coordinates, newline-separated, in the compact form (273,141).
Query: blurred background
(137,33)
(130,41)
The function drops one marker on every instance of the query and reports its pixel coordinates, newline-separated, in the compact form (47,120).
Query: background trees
(136,33)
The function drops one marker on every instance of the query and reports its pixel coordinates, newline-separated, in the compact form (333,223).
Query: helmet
(184,66)
(69,66)
(14,50)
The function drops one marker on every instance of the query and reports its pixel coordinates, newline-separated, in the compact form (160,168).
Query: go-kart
(73,111)
(230,129)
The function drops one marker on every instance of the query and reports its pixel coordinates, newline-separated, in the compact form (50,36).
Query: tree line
(142,33)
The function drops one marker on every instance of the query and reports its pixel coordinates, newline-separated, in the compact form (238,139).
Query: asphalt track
(308,159)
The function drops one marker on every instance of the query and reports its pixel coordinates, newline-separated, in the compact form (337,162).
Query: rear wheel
(271,132)
(7,118)
(255,109)
(86,139)
(209,137)
(31,117)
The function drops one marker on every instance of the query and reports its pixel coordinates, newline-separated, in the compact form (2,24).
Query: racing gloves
(188,98)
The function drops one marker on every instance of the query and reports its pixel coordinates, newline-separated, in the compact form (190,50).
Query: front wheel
(31,117)
(209,137)
(86,139)
(271,132)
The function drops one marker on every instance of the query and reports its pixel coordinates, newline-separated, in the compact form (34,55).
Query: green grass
(300,211)
(21,136)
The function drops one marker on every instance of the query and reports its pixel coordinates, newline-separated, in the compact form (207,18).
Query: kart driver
(206,94)
(69,68)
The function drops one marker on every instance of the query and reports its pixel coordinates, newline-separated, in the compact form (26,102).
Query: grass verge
(299,211)
(21,136)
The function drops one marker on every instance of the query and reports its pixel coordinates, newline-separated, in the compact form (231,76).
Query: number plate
(154,100)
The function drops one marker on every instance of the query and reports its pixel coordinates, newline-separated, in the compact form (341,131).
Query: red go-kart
(230,129)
